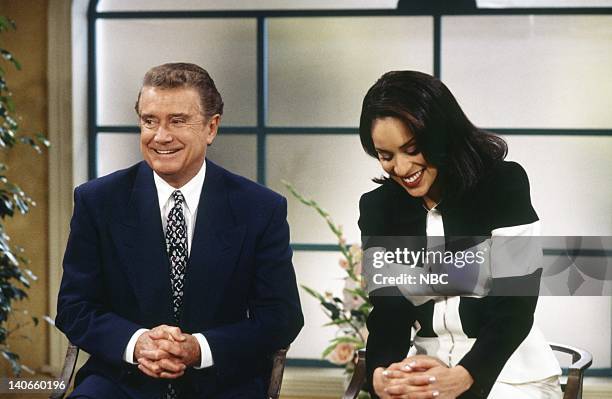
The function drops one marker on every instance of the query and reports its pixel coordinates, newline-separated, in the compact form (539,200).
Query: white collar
(191,190)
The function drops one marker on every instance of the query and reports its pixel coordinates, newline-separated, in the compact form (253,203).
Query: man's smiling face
(174,132)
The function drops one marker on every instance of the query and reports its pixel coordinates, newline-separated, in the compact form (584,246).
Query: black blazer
(498,324)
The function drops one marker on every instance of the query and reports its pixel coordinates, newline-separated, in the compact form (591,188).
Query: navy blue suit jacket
(240,288)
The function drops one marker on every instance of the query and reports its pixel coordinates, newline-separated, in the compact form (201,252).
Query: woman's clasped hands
(421,377)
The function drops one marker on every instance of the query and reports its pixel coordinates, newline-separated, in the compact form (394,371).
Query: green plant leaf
(328,350)
(347,339)
(6,206)
(7,24)
(42,139)
(10,104)
(13,360)
(333,309)
(313,293)
(31,142)
(7,55)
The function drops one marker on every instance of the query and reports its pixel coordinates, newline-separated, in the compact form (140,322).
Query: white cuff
(206,359)
(128,355)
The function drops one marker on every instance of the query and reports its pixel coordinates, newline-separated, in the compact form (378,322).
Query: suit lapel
(142,246)
(215,249)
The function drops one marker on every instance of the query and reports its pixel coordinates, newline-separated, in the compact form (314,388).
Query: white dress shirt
(191,191)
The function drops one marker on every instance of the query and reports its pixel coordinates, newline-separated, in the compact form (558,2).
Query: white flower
(342,353)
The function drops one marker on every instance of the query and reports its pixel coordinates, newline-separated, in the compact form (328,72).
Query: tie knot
(178,197)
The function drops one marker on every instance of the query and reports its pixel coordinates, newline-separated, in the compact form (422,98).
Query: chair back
(581,360)
(358,379)
(278,369)
(72,354)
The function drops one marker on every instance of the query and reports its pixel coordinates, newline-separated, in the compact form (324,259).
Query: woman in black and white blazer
(447,178)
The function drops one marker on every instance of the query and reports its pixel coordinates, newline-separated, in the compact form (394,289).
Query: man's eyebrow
(179,115)
(143,116)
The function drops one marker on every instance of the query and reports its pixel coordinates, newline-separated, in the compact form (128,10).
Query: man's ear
(213,126)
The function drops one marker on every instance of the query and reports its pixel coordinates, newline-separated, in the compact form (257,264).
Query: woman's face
(400,158)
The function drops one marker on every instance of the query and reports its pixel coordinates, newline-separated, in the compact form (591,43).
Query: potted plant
(15,277)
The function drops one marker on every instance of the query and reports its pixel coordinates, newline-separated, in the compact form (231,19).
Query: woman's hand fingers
(401,391)
(425,363)
(410,378)
(400,366)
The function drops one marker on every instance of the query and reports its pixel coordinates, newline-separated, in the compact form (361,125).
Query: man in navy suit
(178,277)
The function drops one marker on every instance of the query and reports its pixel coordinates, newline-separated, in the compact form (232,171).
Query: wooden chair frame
(572,388)
(72,354)
(581,360)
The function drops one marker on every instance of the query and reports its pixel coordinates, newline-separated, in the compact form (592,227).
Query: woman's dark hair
(444,135)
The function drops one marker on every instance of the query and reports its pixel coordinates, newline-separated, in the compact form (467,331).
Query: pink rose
(342,353)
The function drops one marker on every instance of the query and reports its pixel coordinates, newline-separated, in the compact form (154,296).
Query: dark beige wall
(29,87)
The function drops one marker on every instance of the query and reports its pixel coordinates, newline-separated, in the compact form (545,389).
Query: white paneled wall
(316,79)
(570,181)
(128,48)
(333,170)
(117,151)
(316,270)
(530,71)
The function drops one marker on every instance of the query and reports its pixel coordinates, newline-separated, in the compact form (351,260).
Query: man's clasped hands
(165,352)
(421,377)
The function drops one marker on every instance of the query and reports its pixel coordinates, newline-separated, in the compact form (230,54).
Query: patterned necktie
(176,245)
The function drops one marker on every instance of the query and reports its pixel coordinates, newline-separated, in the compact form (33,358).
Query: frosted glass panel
(530,71)
(331,169)
(563,320)
(321,68)
(226,48)
(570,181)
(134,5)
(235,152)
(117,151)
(321,271)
